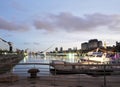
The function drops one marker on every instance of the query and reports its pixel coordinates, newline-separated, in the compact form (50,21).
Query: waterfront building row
(91,44)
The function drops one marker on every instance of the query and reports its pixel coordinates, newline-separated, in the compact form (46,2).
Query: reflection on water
(44,69)
(25,59)
(71,57)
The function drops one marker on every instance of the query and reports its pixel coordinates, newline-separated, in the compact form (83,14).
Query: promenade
(64,81)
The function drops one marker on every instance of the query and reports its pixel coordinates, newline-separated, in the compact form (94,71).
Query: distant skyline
(39,24)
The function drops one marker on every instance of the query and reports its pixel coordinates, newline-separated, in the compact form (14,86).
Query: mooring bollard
(33,72)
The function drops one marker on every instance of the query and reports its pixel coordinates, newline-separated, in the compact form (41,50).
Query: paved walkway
(63,81)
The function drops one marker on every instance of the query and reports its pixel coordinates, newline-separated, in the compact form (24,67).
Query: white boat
(97,57)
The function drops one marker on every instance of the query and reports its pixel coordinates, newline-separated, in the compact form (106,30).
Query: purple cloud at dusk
(11,26)
(70,22)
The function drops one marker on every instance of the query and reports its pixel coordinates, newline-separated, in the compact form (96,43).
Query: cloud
(31,43)
(26,43)
(70,22)
(11,26)
(39,24)
(67,22)
(36,43)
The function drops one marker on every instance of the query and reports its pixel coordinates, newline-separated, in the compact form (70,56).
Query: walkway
(64,81)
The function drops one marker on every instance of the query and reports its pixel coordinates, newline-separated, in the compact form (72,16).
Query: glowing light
(71,57)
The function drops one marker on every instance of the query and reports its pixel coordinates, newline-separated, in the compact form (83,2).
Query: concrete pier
(8,61)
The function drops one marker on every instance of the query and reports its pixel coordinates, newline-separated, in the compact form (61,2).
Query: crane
(9,43)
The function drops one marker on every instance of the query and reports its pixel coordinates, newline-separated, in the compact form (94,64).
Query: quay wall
(8,61)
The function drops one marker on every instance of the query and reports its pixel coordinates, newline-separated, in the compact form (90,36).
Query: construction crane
(9,43)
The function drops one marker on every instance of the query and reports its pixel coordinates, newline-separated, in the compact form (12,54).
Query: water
(44,69)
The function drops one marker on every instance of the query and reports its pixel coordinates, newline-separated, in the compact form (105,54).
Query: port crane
(9,43)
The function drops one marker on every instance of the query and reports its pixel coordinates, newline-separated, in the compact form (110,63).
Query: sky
(40,24)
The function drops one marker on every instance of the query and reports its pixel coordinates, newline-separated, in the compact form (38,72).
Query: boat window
(99,55)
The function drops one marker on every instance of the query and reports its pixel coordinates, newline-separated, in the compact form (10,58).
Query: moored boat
(98,57)
(61,67)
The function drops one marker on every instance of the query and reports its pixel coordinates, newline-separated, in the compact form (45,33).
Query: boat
(62,67)
(97,57)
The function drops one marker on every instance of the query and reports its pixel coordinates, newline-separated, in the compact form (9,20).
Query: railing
(86,76)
